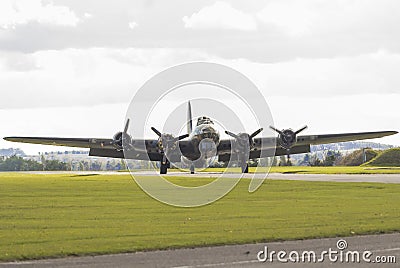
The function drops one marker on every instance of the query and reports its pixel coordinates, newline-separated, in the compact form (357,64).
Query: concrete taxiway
(381,178)
(382,247)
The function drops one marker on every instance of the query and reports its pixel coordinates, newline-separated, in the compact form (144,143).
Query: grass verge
(60,215)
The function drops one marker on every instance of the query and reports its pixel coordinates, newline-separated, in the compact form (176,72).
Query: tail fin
(189,118)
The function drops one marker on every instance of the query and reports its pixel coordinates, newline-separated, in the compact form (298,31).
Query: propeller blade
(126,125)
(301,129)
(156,131)
(231,134)
(189,119)
(277,130)
(255,133)
(181,137)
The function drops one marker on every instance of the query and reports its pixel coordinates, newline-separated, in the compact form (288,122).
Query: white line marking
(386,249)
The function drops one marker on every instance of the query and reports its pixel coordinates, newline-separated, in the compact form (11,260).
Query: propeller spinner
(287,137)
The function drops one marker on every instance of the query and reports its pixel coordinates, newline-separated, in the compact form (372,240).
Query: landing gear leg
(164,165)
(288,157)
(245,166)
(192,169)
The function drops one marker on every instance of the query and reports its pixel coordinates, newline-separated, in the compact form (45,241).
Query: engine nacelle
(117,140)
(287,138)
(167,142)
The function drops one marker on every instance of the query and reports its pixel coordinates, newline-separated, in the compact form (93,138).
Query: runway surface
(382,178)
(387,245)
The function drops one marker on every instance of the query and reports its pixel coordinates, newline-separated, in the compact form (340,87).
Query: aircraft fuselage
(204,139)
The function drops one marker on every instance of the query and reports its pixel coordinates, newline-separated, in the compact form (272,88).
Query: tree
(331,158)
(282,161)
(123,164)
(55,165)
(356,157)
(314,161)
(305,161)
(16,163)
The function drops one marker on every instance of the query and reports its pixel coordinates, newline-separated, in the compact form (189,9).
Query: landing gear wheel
(164,167)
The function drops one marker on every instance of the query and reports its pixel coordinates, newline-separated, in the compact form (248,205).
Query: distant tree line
(329,158)
(16,163)
(66,152)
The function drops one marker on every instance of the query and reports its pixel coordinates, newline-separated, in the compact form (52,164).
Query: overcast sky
(70,68)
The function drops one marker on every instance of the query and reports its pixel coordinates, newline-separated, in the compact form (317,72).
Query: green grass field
(63,215)
(319,170)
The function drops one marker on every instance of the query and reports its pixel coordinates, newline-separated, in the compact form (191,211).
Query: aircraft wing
(70,142)
(98,146)
(333,138)
(302,145)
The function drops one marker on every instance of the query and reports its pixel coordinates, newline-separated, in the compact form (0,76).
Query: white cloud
(342,76)
(220,15)
(78,77)
(75,77)
(303,18)
(15,12)
(132,24)
(87,15)
(293,17)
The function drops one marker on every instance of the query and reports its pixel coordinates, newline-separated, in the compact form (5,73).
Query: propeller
(127,125)
(288,137)
(167,141)
(118,138)
(244,139)
(246,143)
(169,137)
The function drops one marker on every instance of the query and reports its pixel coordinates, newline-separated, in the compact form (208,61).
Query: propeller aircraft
(202,141)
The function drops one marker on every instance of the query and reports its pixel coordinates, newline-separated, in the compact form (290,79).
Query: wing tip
(15,139)
(392,132)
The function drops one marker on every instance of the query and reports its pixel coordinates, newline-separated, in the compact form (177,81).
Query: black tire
(245,169)
(163,169)
(192,169)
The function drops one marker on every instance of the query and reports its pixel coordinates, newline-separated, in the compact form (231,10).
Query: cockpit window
(204,120)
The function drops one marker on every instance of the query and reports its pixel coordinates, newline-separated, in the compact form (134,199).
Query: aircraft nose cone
(207,130)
